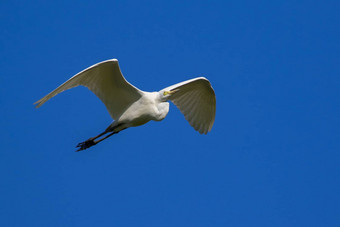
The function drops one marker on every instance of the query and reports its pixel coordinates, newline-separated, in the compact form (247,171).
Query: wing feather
(106,81)
(196,100)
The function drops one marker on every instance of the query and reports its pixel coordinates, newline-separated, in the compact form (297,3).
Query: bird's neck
(163,110)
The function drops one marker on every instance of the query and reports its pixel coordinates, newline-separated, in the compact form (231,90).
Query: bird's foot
(86,144)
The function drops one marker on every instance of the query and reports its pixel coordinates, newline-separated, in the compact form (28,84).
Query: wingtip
(106,61)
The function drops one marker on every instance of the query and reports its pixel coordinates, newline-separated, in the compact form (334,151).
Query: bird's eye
(165,93)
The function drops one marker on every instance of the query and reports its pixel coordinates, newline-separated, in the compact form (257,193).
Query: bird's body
(131,107)
(148,107)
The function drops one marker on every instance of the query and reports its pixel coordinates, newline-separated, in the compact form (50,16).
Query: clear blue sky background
(271,159)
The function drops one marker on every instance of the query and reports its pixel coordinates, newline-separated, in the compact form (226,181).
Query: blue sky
(271,159)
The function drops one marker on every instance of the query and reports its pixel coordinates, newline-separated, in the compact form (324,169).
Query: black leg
(91,142)
(86,144)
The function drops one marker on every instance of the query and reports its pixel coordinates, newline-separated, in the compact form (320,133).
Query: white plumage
(130,107)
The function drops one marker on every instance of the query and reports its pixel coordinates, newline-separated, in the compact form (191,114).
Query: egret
(130,106)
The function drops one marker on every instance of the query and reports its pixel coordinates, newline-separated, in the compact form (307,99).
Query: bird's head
(165,94)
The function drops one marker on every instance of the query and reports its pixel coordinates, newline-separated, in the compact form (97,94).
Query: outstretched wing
(196,99)
(107,82)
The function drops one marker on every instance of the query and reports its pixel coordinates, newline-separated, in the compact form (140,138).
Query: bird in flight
(131,107)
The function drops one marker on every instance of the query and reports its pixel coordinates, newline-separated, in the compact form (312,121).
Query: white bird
(130,107)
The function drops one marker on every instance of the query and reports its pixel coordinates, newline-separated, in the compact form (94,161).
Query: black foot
(86,144)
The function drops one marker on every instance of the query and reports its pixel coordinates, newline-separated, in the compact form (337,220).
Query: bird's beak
(170,92)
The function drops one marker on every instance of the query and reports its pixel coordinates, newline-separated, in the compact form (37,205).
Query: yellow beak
(170,92)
